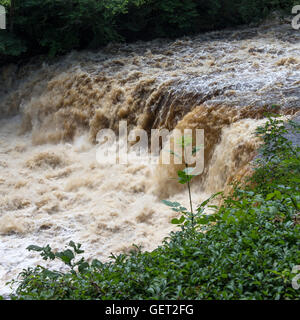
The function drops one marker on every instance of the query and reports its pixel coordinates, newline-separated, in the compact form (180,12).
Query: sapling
(190,218)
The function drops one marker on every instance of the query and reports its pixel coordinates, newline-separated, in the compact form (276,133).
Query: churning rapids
(52,189)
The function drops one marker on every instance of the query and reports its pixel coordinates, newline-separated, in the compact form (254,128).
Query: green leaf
(66,256)
(178,221)
(185,141)
(83,267)
(35,248)
(270,196)
(76,248)
(171,204)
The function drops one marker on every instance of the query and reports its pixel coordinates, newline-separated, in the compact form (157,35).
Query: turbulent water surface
(52,188)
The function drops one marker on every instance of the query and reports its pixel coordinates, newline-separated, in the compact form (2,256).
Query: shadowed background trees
(55,27)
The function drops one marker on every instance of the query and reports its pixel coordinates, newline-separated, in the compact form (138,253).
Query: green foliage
(67,256)
(279,161)
(173,18)
(247,249)
(191,221)
(66,25)
(10,45)
(156,18)
(55,27)
(184,177)
(5,3)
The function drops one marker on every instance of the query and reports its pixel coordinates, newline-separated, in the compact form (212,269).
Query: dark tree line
(55,27)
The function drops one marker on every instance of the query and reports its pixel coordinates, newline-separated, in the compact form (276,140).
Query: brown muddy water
(53,190)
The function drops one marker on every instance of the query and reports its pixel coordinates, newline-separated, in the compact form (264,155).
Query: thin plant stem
(190,194)
(189,189)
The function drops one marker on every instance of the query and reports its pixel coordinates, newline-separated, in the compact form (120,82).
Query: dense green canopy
(57,26)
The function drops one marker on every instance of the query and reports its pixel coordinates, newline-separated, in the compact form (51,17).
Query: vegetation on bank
(56,27)
(246,249)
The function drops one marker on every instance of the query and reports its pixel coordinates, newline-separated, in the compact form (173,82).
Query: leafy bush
(274,166)
(245,250)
